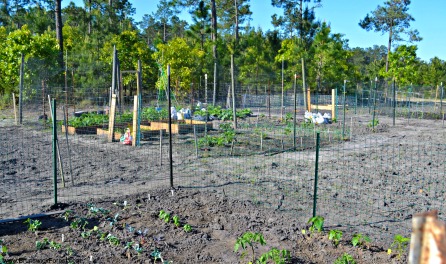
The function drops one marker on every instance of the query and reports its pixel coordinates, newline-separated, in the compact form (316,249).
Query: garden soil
(131,214)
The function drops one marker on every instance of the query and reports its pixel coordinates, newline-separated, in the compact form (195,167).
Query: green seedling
(67,215)
(86,234)
(398,245)
(165,216)
(95,210)
(345,259)
(113,220)
(113,240)
(54,245)
(3,252)
(248,239)
(317,224)
(335,236)
(373,123)
(42,244)
(79,223)
(276,256)
(33,225)
(187,228)
(156,254)
(176,220)
(69,251)
(360,240)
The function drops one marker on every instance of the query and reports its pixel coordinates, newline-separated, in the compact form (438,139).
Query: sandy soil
(372,183)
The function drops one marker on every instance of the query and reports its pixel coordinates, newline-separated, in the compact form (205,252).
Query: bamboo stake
(15,109)
(65,119)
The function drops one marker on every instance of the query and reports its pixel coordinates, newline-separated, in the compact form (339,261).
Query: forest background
(76,43)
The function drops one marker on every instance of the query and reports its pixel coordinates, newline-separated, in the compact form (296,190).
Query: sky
(344,16)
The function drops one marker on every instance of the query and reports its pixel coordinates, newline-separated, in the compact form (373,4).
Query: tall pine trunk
(59,35)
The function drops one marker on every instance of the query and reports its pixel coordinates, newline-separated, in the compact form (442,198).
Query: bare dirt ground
(372,183)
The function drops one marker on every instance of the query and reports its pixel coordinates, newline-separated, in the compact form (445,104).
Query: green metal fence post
(54,150)
(374,104)
(343,119)
(394,101)
(295,109)
(316,167)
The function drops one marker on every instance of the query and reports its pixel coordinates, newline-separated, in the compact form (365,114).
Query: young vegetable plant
(3,252)
(345,259)
(335,236)
(42,244)
(248,239)
(33,225)
(399,245)
(165,216)
(187,228)
(277,256)
(317,224)
(360,240)
(176,220)
(67,215)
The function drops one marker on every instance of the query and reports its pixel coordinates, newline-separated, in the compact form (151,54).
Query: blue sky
(344,15)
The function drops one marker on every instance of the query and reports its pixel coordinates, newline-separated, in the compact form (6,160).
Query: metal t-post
(295,109)
(394,101)
(374,104)
(170,127)
(343,119)
(54,150)
(316,167)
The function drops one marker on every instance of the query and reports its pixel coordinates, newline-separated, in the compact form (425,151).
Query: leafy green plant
(335,236)
(317,224)
(345,259)
(360,240)
(55,245)
(33,225)
(225,137)
(275,255)
(67,215)
(113,220)
(113,240)
(156,254)
(398,245)
(165,216)
(42,244)
(97,210)
(153,114)
(88,119)
(176,220)
(187,228)
(79,223)
(248,239)
(3,252)
(373,123)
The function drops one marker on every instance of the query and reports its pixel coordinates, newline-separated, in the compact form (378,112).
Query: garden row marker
(65,122)
(111,121)
(53,117)
(15,110)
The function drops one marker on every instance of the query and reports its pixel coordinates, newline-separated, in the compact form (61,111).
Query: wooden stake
(65,117)
(261,141)
(111,119)
(135,119)
(15,109)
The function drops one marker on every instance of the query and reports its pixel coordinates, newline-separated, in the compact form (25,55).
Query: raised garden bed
(90,130)
(181,127)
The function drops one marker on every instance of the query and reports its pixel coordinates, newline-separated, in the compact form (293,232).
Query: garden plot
(371,184)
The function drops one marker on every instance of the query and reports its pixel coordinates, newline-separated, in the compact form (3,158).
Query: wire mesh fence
(372,178)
